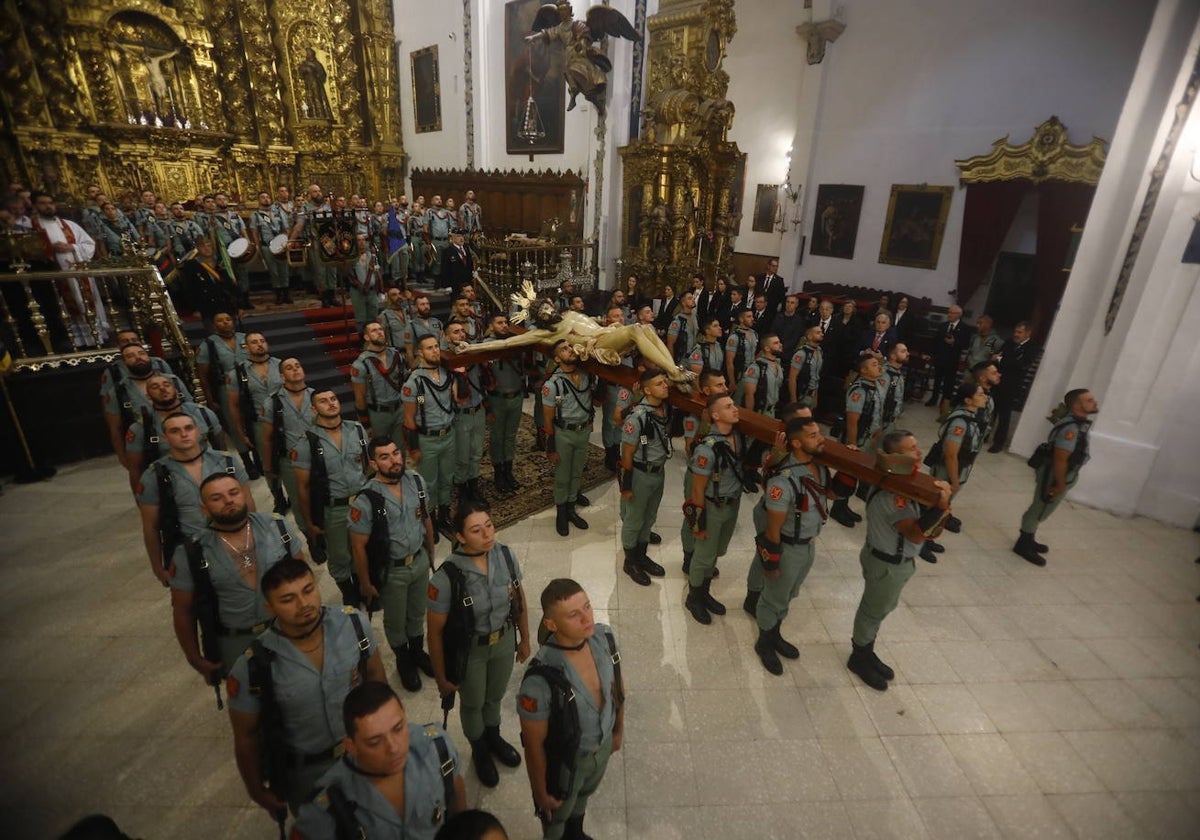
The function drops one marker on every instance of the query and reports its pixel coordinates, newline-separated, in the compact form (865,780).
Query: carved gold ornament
(1047,156)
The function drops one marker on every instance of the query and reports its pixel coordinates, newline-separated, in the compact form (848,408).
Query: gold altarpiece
(187,96)
(681,190)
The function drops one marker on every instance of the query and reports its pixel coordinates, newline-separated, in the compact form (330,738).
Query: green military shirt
(768,374)
(260,387)
(135,438)
(646,430)
(893,397)
(417,328)
(718,458)
(434,398)
(683,327)
(491,592)
(405,517)
(572,403)
(282,413)
(865,398)
(507,376)
(813,358)
(884,511)
(187,491)
(346,466)
(382,374)
(707,355)
(743,344)
(393,323)
(788,491)
(214,351)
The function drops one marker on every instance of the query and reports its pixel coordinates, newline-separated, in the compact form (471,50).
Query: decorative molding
(468,84)
(639,58)
(1047,156)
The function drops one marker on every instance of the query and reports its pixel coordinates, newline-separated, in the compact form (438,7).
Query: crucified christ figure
(606,345)
(158,81)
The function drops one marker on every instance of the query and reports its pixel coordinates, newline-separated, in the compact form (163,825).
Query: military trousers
(436,247)
(795,562)
(722,519)
(233,435)
(1040,509)
(437,466)
(589,772)
(468,444)
(882,584)
(404,597)
(366,307)
(241,273)
(754,572)
(389,424)
(337,542)
(572,449)
(288,476)
(317,274)
(502,441)
(278,269)
(398,266)
(610,432)
(639,513)
(685,531)
(482,690)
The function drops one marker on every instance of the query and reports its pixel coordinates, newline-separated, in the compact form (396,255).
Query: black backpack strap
(230,467)
(149,438)
(516,600)
(422,496)
(278,448)
(618,687)
(345,824)
(364,643)
(284,536)
(446,767)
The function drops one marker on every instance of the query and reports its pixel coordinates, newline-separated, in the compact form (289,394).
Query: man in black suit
(764,315)
(458,266)
(880,339)
(702,297)
(904,322)
(1016,363)
(772,285)
(949,344)
(665,309)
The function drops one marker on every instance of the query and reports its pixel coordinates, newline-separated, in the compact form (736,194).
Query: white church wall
(911,85)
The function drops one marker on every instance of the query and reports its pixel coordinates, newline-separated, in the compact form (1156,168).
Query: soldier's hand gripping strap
(932,521)
(843,485)
(413,439)
(768,552)
(626,480)
(696,516)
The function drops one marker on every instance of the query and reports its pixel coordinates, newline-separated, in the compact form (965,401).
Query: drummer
(268,232)
(320,276)
(226,224)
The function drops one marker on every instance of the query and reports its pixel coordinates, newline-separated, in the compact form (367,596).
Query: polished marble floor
(1059,702)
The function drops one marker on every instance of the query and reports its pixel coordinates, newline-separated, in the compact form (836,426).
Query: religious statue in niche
(148,61)
(315,101)
(587,67)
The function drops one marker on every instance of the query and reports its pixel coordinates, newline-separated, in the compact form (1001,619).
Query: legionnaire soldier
(712,503)
(157,233)
(123,388)
(763,379)
(695,427)
(331,467)
(226,223)
(419,326)
(708,354)
(896,529)
(366,282)
(506,396)
(986,375)
(216,359)
(168,495)
(804,373)
(320,276)
(397,780)
(247,390)
(567,414)
(472,416)
(215,597)
(645,450)
(477,594)
(893,397)
(574,685)
(145,443)
(185,232)
(613,395)
(793,512)
(428,397)
(392,554)
(741,347)
(286,691)
(470,217)
(144,214)
(377,378)
(266,223)
(864,420)
(285,417)
(682,330)
(1058,462)
(393,320)
(438,223)
(959,441)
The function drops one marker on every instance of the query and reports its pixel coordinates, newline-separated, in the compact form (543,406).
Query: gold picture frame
(427,89)
(916,222)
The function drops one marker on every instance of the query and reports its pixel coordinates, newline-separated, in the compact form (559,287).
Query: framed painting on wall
(427,90)
(835,223)
(916,220)
(535,90)
(766,207)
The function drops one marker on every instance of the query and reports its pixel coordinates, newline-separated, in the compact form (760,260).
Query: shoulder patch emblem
(355,514)
(529,704)
(231,687)
(958,431)
(1070,435)
(623,394)
(629,428)
(545,390)
(349,610)
(129,436)
(856,396)
(407,391)
(776,492)
(702,461)
(433,592)
(139,489)
(901,503)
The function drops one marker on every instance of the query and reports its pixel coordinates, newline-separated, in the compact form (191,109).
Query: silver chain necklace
(244,555)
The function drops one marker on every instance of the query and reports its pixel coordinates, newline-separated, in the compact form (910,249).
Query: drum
(296,253)
(241,250)
(279,245)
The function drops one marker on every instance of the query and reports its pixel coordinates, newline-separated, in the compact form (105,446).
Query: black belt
(241,631)
(794,540)
(573,427)
(382,406)
(491,638)
(894,559)
(438,433)
(508,395)
(653,469)
(405,561)
(723,502)
(471,410)
(306,759)
(341,501)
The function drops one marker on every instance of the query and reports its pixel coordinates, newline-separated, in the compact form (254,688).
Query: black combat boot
(286,297)
(952,524)
(500,480)
(926,552)
(840,512)
(512,479)
(574,518)
(474,492)
(750,605)
(406,668)
(573,829)
(501,749)
(860,663)
(782,646)
(687,562)
(485,768)
(884,669)
(561,523)
(416,647)
(1027,550)
(633,567)
(710,603)
(695,604)
(581,500)
(655,538)
(765,648)
(651,568)
(442,522)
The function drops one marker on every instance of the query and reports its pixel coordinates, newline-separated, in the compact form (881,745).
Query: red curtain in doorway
(987,217)
(1060,206)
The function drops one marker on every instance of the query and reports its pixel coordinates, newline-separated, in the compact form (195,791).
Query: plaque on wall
(427,90)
